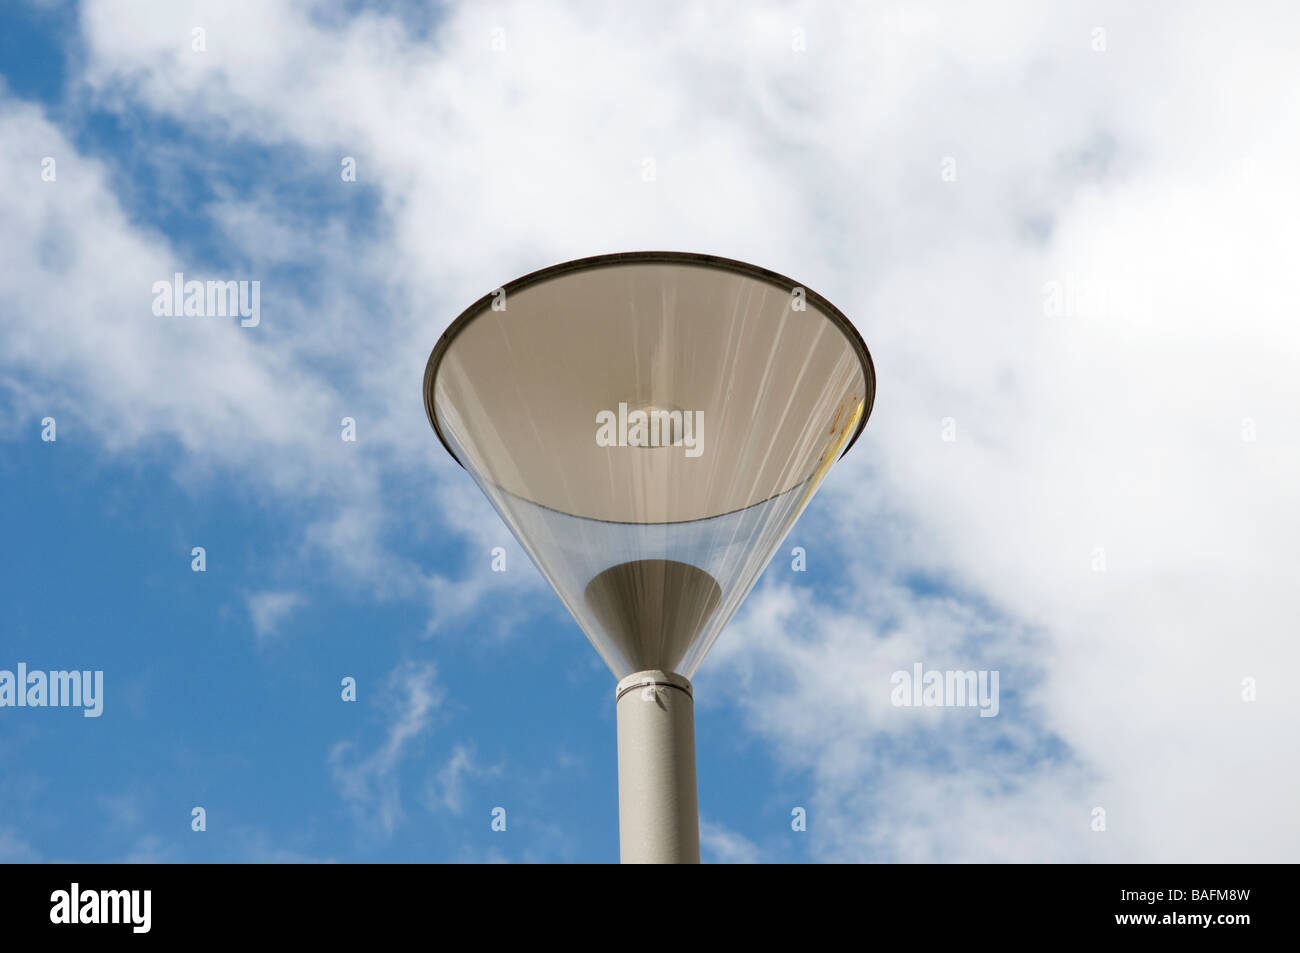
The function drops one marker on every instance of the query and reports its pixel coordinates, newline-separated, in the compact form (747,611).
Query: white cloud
(268,610)
(446,787)
(449,786)
(370,782)
(718,845)
(150,849)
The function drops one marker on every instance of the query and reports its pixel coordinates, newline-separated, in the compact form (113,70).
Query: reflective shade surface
(650,425)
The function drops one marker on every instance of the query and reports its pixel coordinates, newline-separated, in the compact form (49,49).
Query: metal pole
(658,815)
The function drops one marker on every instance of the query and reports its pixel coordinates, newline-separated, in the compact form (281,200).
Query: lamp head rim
(717,262)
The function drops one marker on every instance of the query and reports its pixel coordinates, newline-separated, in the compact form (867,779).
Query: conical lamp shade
(650,425)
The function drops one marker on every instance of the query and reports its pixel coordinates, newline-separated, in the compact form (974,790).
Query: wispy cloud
(151,849)
(124,811)
(718,845)
(15,850)
(448,785)
(446,788)
(268,609)
(370,782)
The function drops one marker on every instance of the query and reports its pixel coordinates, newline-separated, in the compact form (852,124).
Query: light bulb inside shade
(651,546)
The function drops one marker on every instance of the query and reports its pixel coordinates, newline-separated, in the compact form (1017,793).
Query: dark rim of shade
(716,262)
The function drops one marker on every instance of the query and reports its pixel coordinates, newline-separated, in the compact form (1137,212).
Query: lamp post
(650,425)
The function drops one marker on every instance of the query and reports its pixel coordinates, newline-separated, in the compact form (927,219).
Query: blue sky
(999,200)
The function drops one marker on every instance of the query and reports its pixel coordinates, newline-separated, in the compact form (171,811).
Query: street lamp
(650,425)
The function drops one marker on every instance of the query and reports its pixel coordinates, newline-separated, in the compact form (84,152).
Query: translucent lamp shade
(650,425)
